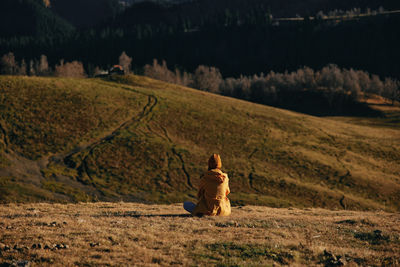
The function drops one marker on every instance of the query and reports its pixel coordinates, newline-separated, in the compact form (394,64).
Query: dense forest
(20,20)
(85,13)
(238,37)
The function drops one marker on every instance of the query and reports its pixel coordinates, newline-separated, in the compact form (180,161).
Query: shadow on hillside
(318,104)
(382,104)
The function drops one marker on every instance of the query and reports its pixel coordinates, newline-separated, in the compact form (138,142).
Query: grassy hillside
(137,139)
(120,234)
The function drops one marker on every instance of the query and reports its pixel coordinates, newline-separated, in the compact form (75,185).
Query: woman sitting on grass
(213,192)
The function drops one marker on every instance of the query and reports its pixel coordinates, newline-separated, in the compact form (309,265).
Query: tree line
(40,67)
(328,91)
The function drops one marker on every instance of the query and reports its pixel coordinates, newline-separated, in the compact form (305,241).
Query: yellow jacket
(212,195)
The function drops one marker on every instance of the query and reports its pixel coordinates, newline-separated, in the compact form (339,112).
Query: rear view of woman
(213,192)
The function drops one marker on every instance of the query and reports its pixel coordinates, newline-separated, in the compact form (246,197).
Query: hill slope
(119,234)
(85,13)
(138,139)
(30,18)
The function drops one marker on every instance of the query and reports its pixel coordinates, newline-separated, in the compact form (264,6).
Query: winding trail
(175,153)
(164,136)
(338,157)
(152,102)
(4,135)
(84,150)
(33,169)
(251,174)
(89,148)
(179,156)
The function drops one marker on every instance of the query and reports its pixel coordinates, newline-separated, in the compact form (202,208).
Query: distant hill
(167,11)
(239,37)
(86,13)
(236,36)
(30,18)
(137,139)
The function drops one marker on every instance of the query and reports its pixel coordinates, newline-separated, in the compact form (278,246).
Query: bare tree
(391,90)
(125,61)
(22,68)
(363,80)
(305,78)
(376,85)
(259,90)
(331,77)
(70,69)
(207,79)
(31,70)
(239,88)
(8,65)
(331,80)
(42,66)
(351,83)
(159,72)
(187,79)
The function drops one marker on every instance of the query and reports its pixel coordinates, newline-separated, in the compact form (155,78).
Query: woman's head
(214,162)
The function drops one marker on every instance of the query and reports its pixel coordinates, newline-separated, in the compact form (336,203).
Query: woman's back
(215,184)
(213,192)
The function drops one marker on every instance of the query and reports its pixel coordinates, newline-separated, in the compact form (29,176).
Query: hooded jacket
(213,191)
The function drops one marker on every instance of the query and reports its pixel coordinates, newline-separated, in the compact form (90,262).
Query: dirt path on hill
(251,174)
(110,135)
(89,148)
(31,171)
(176,154)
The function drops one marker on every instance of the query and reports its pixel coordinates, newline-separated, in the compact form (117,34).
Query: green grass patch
(15,190)
(234,254)
(75,194)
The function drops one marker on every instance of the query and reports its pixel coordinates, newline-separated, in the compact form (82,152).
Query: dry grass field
(128,234)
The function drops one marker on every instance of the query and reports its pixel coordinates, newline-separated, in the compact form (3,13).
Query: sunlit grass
(120,234)
(146,140)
